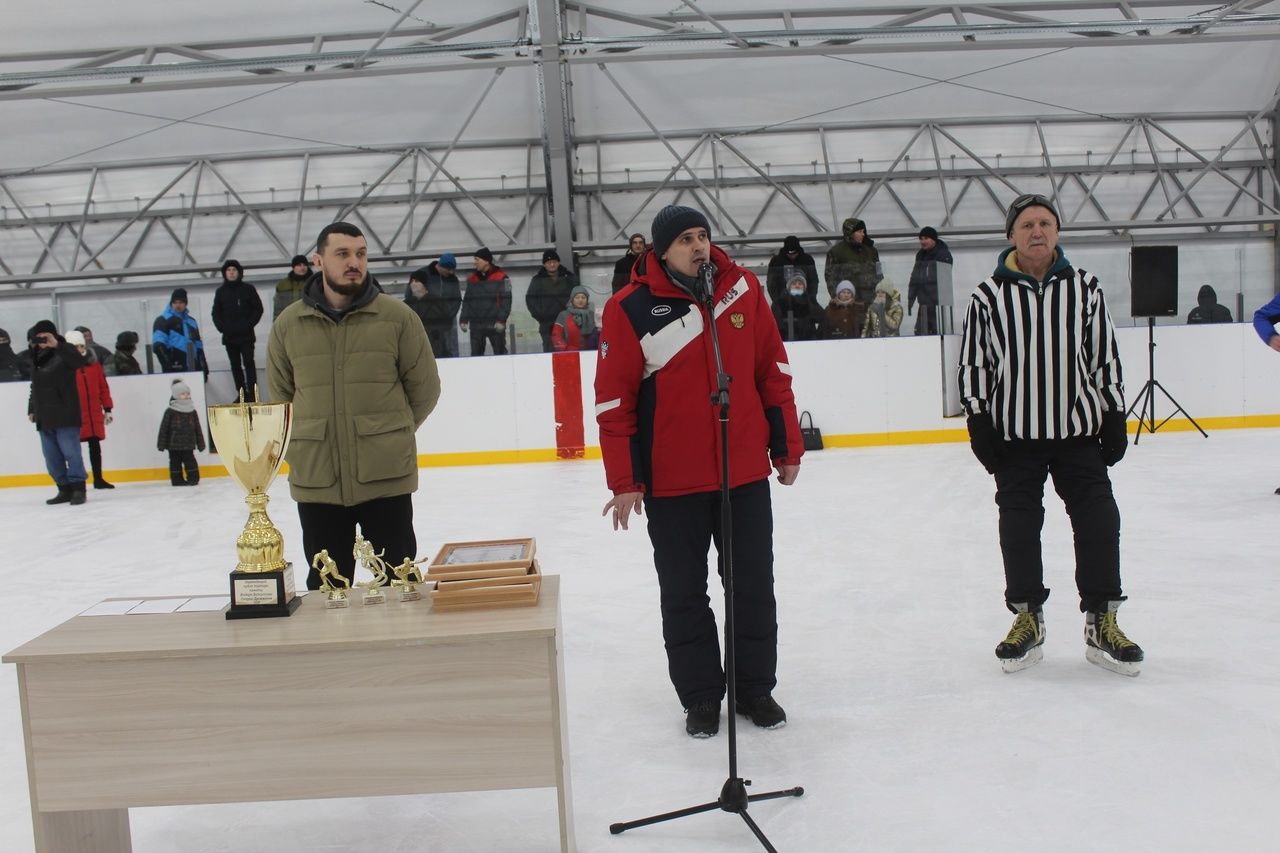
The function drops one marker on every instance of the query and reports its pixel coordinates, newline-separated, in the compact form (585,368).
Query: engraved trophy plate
(251,439)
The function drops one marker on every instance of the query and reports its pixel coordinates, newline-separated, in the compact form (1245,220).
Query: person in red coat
(95,405)
(575,329)
(661,444)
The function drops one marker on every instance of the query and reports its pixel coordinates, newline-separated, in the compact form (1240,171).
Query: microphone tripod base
(733,798)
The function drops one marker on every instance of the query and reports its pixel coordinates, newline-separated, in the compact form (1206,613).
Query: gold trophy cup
(251,438)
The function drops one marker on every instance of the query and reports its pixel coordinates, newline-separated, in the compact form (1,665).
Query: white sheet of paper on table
(203,603)
(112,608)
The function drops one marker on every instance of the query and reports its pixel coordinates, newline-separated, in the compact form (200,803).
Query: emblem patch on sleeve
(738,319)
(604,349)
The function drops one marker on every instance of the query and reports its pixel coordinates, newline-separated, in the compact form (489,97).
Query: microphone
(706,283)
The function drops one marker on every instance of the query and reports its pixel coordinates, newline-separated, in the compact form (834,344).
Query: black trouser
(1080,479)
(496,337)
(95,459)
(242,368)
(681,530)
(180,461)
(438,337)
(387,523)
(544,329)
(927,320)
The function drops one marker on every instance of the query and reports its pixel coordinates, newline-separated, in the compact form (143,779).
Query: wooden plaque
(488,558)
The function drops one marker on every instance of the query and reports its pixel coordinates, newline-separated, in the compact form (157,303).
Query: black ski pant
(1080,479)
(438,336)
(387,523)
(497,338)
(243,371)
(682,530)
(544,330)
(927,319)
(183,462)
(95,459)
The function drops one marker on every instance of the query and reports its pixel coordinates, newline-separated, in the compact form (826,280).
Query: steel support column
(554,87)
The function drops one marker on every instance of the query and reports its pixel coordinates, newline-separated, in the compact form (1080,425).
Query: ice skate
(1107,646)
(1024,645)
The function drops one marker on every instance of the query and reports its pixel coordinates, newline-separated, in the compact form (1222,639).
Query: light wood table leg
(104,831)
(560,735)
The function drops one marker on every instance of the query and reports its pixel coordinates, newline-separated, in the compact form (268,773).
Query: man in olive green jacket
(358,368)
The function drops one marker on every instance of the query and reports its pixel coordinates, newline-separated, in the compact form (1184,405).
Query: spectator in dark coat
(486,305)
(548,295)
(622,269)
(123,362)
(845,315)
(435,295)
(795,308)
(100,352)
(854,259)
(175,338)
(10,369)
(289,289)
(923,286)
(54,407)
(181,435)
(1208,309)
(237,308)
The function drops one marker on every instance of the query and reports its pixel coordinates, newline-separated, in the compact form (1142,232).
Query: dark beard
(341,287)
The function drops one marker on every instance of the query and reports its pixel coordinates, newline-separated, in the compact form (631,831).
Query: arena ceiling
(140,141)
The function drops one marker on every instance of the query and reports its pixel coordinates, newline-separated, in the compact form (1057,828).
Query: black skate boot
(1107,646)
(1023,647)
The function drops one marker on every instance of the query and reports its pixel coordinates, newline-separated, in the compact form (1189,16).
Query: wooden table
(181,708)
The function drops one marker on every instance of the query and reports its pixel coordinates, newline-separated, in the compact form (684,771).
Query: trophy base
(256,595)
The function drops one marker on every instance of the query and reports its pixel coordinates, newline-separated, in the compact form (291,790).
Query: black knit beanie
(672,221)
(43,326)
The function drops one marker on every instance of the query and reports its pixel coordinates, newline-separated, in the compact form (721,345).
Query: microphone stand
(733,795)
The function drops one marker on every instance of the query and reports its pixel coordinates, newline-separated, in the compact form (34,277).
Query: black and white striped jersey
(1041,358)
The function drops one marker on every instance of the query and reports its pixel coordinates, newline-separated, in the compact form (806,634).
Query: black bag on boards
(810,435)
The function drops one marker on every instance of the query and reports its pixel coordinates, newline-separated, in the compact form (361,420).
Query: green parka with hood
(858,263)
(361,382)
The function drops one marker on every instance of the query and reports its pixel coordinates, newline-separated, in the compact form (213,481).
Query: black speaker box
(1153,273)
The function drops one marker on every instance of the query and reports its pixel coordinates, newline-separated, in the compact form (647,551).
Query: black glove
(985,441)
(1114,438)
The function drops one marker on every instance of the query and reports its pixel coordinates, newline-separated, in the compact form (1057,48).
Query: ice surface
(904,732)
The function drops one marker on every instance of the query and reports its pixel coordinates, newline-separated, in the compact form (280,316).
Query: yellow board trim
(550,454)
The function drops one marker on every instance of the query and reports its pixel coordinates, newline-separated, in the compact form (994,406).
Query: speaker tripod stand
(1145,403)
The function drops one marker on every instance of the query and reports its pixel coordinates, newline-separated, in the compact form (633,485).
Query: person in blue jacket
(175,338)
(1264,323)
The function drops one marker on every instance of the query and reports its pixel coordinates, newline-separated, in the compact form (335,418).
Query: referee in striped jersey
(1041,384)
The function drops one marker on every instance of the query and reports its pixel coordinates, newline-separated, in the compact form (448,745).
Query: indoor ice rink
(147,145)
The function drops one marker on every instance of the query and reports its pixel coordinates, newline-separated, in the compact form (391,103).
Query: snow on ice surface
(904,732)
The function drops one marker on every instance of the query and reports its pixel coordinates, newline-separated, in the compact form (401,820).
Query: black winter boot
(763,711)
(703,719)
(77,493)
(100,482)
(63,496)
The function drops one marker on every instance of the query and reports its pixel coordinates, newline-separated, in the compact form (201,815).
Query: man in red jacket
(660,438)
